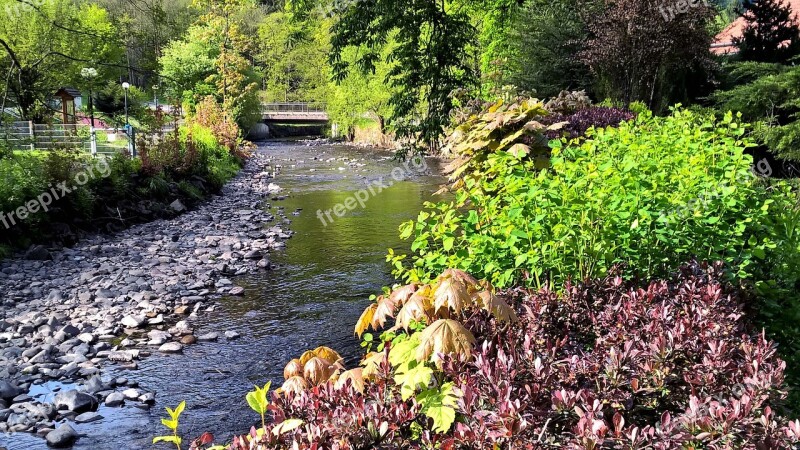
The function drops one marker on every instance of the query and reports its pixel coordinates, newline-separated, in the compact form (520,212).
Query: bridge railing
(301,107)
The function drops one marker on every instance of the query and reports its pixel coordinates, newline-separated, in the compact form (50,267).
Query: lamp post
(128,128)
(126,86)
(89,74)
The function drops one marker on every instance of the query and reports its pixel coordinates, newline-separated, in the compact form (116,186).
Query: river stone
(9,390)
(132,322)
(131,394)
(62,437)
(177,206)
(189,339)
(115,399)
(171,347)
(232,335)
(213,336)
(75,401)
(38,253)
(237,291)
(86,338)
(95,385)
(88,417)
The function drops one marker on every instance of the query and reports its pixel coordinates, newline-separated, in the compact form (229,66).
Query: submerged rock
(62,437)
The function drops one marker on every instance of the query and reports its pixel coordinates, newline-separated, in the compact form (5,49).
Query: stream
(321,284)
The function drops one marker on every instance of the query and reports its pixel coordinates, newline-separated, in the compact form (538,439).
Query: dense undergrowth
(586,331)
(608,364)
(648,194)
(111,193)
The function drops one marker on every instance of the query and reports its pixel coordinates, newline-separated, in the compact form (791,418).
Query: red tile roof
(723,43)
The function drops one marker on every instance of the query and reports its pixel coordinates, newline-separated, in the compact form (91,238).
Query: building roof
(723,42)
(72,92)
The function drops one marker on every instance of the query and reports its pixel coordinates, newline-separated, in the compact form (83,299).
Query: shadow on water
(323,281)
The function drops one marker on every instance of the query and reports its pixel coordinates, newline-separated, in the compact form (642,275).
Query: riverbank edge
(22,414)
(64,228)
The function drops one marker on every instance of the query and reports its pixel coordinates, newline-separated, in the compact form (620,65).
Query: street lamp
(126,86)
(90,74)
(155,94)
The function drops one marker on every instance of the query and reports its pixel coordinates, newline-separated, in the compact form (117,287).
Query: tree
(293,57)
(771,33)
(46,46)
(359,95)
(187,65)
(637,52)
(547,37)
(435,44)
(215,58)
(146,27)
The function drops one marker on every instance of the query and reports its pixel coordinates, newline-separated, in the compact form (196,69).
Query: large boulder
(75,401)
(62,437)
(8,390)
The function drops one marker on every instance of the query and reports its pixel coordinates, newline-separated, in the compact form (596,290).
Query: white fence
(29,136)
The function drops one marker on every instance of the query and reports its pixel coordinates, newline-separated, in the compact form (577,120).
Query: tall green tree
(361,95)
(771,33)
(146,27)
(216,58)
(434,55)
(45,47)
(547,37)
(292,55)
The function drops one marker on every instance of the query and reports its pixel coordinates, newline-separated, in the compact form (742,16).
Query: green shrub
(650,194)
(22,178)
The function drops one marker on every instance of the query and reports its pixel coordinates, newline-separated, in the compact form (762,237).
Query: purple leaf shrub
(609,365)
(583,119)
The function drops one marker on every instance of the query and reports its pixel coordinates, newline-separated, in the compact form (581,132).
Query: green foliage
(172,424)
(648,194)
(187,65)
(258,400)
(359,93)
(213,59)
(46,47)
(546,37)
(431,58)
(769,93)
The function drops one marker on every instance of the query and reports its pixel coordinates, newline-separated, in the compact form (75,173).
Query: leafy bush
(669,364)
(613,365)
(567,102)
(211,115)
(647,194)
(167,155)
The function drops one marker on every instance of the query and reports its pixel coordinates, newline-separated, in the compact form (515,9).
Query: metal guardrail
(24,136)
(293,108)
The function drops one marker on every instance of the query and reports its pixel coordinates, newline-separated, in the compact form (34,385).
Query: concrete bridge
(294,113)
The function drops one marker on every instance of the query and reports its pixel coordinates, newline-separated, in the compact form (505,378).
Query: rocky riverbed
(114,299)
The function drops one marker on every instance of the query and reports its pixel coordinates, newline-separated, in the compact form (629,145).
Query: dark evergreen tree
(771,34)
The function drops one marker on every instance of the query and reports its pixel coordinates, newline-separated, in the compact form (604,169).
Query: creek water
(322,283)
